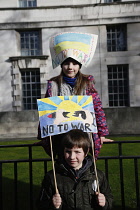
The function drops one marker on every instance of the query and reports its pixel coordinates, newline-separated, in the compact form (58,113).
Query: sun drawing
(64,106)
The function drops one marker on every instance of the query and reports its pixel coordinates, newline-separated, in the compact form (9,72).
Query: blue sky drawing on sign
(60,114)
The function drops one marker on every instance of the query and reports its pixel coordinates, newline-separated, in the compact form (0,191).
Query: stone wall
(123,121)
(24,124)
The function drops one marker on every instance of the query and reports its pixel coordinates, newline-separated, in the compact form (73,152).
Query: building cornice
(69,6)
(82,15)
(88,21)
(40,57)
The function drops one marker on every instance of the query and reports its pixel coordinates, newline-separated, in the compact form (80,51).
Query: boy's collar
(87,162)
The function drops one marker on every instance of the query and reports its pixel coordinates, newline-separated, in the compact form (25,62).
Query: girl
(72,82)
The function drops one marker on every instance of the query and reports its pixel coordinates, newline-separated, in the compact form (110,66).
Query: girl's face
(74,157)
(70,67)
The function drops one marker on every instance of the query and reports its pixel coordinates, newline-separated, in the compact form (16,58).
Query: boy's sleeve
(45,198)
(106,190)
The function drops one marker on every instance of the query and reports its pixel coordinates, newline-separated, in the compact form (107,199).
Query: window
(30,43)
(116,38)
(31,90)
(27,3)
(109,1)
(118,85)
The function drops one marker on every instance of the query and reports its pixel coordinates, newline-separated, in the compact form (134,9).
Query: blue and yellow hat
(79,46)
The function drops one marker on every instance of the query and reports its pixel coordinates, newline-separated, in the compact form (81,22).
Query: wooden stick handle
(55,183)
(95,168)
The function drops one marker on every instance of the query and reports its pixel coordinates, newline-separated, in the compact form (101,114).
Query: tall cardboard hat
(79,46)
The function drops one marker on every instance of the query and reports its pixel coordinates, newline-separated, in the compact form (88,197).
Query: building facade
(25,62)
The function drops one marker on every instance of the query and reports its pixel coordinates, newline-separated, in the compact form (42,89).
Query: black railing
(31,203)
(121,157)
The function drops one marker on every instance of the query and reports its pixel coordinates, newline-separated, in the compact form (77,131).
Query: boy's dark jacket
(76,193)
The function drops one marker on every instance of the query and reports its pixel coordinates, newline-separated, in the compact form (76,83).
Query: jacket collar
(87,168)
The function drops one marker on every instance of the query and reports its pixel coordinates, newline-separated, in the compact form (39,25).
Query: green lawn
(38,173)
(128,170)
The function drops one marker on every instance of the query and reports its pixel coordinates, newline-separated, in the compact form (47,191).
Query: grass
(23,186)
(128,170)
(38,173)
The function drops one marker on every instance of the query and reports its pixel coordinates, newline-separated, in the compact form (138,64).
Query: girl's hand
(101,199)
(57,200)
(103,139)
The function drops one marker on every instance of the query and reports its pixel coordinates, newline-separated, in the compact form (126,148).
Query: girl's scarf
(70,81)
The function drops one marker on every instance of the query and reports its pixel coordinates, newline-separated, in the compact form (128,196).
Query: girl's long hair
(82,82)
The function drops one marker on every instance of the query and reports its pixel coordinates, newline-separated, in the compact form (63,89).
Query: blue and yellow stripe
(75,41)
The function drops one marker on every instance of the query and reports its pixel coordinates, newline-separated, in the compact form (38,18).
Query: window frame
(26,3)
(112,1)
(116,37)
(118,85)
(31,88)
(27,39)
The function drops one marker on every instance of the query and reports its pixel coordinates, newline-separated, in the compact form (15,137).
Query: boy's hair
(76,138)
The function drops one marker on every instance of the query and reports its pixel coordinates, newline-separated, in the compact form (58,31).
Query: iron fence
(30,160)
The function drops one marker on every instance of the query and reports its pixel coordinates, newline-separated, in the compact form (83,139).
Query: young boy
(76,180)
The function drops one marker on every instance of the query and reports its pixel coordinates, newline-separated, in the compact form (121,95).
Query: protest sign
(59,114)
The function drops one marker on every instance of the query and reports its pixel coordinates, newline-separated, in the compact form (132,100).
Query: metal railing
(120,157)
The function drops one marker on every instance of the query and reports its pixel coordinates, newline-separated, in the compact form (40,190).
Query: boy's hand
(57,200)
(101,199)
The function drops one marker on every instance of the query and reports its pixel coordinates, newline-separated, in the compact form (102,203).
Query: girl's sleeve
(46,95)
(99,112)
(100,116)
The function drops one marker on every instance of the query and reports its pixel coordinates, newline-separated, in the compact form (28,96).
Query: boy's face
(74,157)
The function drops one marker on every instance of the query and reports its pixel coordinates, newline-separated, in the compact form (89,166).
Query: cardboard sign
(79,46)
(60,114)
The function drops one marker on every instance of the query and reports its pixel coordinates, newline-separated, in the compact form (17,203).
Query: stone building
(25,62)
